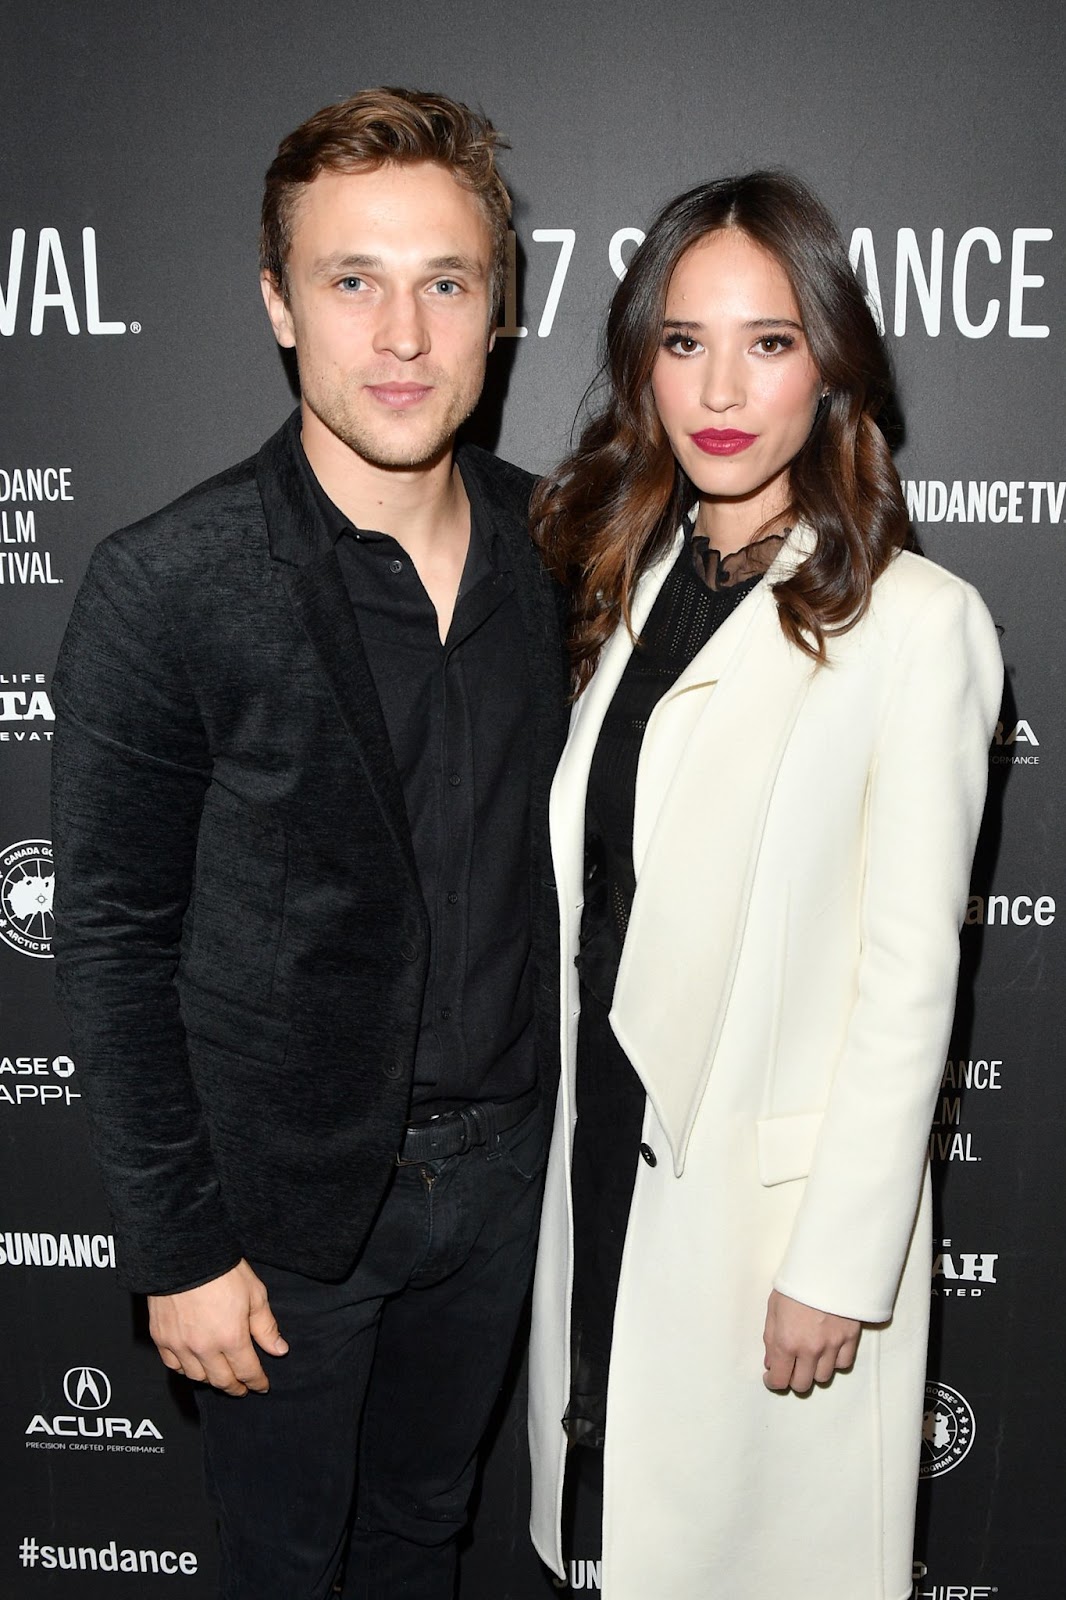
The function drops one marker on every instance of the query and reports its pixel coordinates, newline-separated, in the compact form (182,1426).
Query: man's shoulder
(507,483)
(223,508)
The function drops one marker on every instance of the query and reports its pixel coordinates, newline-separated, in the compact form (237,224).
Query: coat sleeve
(131,765)
(925,799)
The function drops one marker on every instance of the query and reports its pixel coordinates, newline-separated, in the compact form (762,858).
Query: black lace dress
(700,592)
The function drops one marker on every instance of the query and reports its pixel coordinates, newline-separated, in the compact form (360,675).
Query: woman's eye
(774,343)
(682,344)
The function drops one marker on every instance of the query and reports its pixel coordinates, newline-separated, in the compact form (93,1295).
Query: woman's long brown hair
(617,500)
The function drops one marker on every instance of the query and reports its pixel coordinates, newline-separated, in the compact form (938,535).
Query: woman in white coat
(763,827)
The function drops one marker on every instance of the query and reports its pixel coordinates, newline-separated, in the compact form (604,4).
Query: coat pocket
(786,1146)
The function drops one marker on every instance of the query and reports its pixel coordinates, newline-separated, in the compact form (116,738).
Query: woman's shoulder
(922,612)
(912,583)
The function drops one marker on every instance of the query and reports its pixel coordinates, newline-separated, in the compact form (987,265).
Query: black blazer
(241,941)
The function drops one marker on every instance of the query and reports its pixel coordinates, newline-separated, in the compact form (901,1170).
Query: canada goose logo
(27,880)
(948,1428)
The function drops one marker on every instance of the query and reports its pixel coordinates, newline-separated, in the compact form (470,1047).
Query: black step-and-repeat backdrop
(136,360)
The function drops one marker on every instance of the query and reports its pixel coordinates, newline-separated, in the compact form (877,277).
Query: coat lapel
(708,766)
(567,806)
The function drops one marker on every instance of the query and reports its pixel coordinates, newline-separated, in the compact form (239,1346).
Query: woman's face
(734,382)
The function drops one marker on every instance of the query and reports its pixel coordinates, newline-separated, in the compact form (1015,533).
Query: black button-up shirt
(458,716)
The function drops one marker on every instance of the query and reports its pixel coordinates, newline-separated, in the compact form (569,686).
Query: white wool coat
(803,839)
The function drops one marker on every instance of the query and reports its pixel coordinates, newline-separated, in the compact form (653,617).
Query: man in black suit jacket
(307,718)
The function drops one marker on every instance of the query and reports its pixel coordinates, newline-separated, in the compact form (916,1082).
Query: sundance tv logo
(90,1425)
(27,880)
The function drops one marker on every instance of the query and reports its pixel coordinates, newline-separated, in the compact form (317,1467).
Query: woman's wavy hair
(617,500)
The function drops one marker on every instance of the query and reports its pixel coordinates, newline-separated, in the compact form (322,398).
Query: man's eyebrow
(329,266)
(455,264)
(326,266)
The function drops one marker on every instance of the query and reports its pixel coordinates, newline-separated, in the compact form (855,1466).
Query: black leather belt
(456,1131)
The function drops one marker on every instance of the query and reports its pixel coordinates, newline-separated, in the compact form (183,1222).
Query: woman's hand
(805,1346)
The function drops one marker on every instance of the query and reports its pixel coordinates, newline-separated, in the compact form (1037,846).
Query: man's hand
(805,1346)
(207,1333)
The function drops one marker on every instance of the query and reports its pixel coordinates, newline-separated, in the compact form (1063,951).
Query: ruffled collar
(740,566)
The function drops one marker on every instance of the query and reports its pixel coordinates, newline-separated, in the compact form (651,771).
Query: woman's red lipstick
(722,441)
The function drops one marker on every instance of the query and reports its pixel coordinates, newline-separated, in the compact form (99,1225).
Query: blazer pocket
(234,1027)
(786,1146)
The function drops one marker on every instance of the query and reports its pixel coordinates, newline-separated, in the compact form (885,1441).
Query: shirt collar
(488,551)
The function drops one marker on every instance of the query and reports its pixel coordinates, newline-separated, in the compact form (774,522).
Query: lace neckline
(740,566)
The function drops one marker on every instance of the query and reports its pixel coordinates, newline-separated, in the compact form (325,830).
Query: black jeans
(369,1434)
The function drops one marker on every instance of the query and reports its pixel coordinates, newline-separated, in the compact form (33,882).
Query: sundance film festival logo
(27,879)
(90,1424)
(64,280)
(913,283)
(948,1428)
(57,1250)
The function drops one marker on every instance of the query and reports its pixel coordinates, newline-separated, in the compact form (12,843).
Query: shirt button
(408,951)
(395,566)
(648,1154)
(455,780)
(452,897)
(445,1013)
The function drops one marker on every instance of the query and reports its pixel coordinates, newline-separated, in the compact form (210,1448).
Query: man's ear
(277,310)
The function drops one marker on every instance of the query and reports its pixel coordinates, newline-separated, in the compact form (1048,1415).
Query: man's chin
(412,450)
(414,458)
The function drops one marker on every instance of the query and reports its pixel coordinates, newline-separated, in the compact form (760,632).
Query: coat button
(393,1069)
(648,1154)
(408,951)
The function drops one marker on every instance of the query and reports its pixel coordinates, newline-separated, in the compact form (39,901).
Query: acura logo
(87,1388)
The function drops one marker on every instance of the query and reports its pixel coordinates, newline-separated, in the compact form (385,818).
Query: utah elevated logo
(27,879)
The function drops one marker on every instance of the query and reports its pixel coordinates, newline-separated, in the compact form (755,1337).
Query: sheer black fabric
(700,592)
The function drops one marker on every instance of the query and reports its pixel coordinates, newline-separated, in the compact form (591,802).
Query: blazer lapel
(306,558)
(708,766)
(320,600)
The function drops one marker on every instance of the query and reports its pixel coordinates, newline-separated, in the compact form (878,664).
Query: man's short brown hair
(369,130)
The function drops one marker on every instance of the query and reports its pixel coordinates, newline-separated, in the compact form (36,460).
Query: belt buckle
(473,1128)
